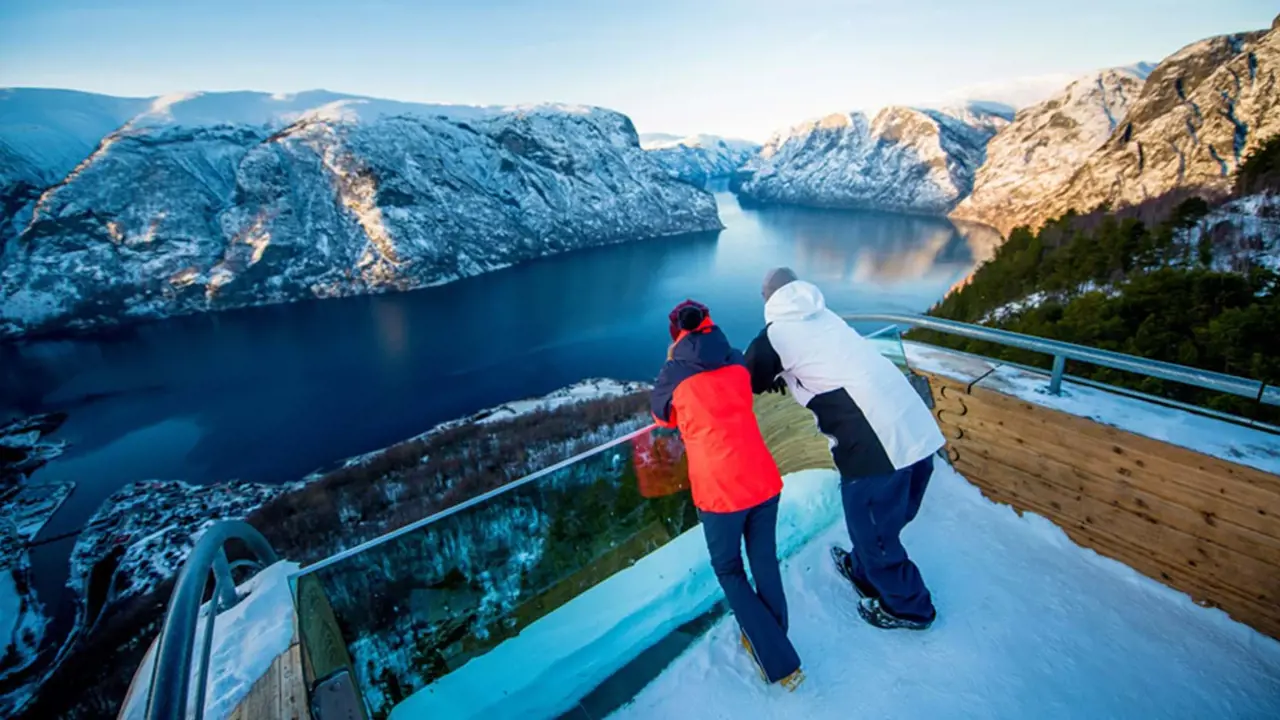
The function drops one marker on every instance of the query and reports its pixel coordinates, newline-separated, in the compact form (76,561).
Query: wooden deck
(281,694)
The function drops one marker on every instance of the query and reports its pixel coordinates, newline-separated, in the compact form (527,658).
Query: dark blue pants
(761,611)
(876,509)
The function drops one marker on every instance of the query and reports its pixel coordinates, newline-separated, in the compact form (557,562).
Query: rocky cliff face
(1200,112)
(1046,143)
(222,200)
(698,159)
(903,159)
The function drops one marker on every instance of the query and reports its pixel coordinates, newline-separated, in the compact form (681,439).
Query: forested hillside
(1199,287)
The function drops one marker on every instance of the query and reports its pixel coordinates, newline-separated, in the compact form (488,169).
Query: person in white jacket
(883,439)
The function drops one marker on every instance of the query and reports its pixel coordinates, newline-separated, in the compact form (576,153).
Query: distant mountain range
(115,208)
(1118,137)
(698,159)
(902,159)
(120,208)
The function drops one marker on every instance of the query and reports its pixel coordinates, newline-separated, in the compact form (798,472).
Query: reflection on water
(273,393)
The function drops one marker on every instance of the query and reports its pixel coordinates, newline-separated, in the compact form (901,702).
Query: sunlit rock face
(219,200)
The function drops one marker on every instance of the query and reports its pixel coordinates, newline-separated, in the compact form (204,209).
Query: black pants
(761,610)
(876,509)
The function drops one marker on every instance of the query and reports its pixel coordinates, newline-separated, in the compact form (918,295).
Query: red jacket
(705,391)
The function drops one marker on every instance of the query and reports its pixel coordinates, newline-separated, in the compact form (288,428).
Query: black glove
(779,386)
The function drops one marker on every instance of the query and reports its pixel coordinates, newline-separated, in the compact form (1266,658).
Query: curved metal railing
(1063,351)
(167,697)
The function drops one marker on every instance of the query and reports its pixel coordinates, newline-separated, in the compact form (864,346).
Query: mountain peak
(1046,142)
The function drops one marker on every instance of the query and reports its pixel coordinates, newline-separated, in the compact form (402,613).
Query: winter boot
(844,565)
(792,681)
(875,613)
(751,652)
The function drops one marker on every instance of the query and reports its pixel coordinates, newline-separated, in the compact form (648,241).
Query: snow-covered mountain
(904,159)
(1046,143)
(698,159)
(1200,112)
(215,200)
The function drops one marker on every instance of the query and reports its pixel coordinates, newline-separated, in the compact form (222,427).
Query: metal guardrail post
(1055,380)
(171,679)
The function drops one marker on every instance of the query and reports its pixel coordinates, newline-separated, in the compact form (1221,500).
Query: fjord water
(269,394)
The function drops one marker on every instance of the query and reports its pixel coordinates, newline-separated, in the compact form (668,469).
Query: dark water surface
(269,394)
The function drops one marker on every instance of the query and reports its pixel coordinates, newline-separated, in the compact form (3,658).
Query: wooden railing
(1199,524)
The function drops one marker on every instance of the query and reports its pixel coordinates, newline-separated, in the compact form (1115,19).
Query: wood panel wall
(1202,525)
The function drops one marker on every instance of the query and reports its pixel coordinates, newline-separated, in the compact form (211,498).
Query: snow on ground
(561,657)
(1038,298)
(157,523)
(1245,233)
(1030,625)
(246,640)
(1216,438)
(579,392)
(582,391)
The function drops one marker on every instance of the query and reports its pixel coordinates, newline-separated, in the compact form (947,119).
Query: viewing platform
(1092,553)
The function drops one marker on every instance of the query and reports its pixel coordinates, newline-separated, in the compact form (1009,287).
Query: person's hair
(690,317)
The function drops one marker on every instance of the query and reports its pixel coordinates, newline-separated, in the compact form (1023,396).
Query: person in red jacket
(705,390)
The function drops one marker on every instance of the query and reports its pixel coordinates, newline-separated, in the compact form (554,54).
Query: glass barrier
(402,613)
(444,609)
(888,340)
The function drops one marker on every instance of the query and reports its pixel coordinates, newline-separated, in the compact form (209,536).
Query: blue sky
(740,68)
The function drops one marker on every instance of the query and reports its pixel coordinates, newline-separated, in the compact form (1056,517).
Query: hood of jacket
(796,300)
(705,349)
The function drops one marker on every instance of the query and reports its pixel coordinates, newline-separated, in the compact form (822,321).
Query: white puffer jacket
(875,419)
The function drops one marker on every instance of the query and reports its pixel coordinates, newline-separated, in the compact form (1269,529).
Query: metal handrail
(170,681)
(1063,351)
(453,509)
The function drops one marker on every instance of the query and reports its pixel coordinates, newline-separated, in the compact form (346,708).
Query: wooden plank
(263,700)
(1169,457)
(1203,590)
(1201,586)
(1221,497)
(280,694)
(293,691)
(1167,544)
(1205,521)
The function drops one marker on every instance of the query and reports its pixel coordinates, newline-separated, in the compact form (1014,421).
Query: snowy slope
(903,159)
(698,159)
(1243,234)
(217,200)
(45,133)
(1046,143)
(1201,111)
(1029,625)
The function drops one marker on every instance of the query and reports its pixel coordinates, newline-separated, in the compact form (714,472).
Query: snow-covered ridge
(902,159)
(698,159)
(1046,143)
(217,200)
(579,392)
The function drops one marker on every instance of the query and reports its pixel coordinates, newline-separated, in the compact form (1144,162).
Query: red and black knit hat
(688,315)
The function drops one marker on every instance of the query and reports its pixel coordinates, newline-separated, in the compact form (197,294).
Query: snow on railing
(1063,351)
